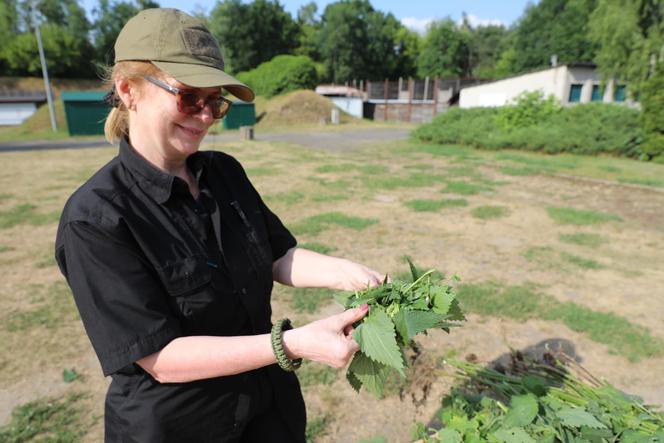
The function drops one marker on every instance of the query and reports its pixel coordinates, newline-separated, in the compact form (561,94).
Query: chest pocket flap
(185,276)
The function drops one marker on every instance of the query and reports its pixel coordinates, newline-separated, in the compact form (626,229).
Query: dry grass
(46,336)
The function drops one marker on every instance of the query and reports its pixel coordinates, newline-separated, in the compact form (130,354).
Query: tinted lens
(189,103)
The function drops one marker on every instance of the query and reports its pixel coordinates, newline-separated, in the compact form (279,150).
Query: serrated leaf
(414,272)
(441,300)
(449,436)
(513,435)
(455,313)
(370,374)
(355,382)
(377,339)
(577,417)
(523,410)
(409,323)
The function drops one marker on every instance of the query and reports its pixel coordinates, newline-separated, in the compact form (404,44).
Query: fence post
(436,87)
(411,88)
(385,92)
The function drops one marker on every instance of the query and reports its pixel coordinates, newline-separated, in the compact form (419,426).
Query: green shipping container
(85,112)
(241,114)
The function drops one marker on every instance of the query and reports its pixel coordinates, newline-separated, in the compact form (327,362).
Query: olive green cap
(181,46)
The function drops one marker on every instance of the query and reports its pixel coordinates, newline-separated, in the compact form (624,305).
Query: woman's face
(156,124)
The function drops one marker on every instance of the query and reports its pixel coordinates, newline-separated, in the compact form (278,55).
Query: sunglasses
(190,103)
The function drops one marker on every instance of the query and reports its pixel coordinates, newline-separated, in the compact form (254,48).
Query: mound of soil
(303,107)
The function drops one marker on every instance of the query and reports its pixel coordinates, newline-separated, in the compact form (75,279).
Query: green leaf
(69,375)
(377,340)
(414,272)
(522,412)
(455,312)
(449,436)
(410,323)
(513,435)
(577,417)
(355,382)
(441,300)
(631,436)
(370,374)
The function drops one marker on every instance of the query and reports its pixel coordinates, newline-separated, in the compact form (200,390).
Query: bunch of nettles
(398,311)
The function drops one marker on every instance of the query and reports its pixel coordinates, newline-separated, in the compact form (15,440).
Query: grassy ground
(546,247)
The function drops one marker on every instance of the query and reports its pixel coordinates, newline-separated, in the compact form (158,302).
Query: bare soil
(630,283)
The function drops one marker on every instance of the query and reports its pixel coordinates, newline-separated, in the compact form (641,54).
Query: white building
(16,107)
(571,83)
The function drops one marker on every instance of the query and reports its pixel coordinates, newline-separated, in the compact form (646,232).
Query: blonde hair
(117,121)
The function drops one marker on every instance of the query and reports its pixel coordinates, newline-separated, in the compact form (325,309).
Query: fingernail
(364,307)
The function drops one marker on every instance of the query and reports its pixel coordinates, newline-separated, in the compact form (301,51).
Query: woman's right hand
(328,341)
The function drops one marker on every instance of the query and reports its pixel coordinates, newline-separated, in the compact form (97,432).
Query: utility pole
(47,84)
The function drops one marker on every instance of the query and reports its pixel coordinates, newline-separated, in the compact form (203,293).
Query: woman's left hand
(354,276)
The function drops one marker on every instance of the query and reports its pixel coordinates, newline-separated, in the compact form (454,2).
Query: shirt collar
(157,183)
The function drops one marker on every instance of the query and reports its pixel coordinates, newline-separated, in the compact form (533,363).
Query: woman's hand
(328,341)
(354,276)
(302,268)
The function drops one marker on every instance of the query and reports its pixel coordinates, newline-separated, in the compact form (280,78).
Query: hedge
(591,129)
(284,73)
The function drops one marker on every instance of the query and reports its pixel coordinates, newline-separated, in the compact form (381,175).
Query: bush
(284,73)
(530,108)
(652,103)
(591,129)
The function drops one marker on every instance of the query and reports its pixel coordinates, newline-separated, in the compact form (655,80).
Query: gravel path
(340,140)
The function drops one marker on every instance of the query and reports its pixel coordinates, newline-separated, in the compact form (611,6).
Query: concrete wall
(16,113)
(555,81)
(499,93)
(350,105)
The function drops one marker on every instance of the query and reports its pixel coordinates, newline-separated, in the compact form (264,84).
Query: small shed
(85,112)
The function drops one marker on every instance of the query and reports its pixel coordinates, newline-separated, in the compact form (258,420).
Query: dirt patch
(298,183)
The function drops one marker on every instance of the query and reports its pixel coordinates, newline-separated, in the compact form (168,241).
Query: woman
(171,256)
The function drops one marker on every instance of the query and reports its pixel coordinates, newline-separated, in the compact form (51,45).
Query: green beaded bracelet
(277,339)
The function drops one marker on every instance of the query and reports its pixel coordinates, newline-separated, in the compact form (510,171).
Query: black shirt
(147,264)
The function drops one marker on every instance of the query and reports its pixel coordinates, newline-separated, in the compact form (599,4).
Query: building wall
(15,113)
(556,81)
(550,82)
(350,105)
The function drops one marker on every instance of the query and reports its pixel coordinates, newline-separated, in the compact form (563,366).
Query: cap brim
(200,76)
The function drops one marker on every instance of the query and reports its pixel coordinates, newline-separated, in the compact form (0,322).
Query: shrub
(589,129)
(652,102)
(284,73)
(529,108)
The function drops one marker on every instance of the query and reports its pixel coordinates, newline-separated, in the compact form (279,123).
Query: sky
(414,14)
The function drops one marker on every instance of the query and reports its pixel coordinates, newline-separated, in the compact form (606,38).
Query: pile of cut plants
(549,400)
(398,311)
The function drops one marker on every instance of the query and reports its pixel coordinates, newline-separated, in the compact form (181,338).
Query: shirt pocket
(186,276)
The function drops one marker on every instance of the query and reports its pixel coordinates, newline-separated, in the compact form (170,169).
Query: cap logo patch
(201,44)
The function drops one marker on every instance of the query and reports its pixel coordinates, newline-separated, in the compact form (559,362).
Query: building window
(619,94)
(575,93)
(597,94)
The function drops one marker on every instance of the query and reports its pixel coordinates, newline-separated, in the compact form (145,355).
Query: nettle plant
(398,311)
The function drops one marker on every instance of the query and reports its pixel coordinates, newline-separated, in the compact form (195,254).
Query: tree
(252,33)
(309,28)
(62,51)
(630,37)
(553,27)
(8,29)
(64,28)
(357,42)
(445,52)
(487,45)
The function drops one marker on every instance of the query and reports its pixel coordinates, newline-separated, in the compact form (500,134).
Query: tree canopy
(252,33)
